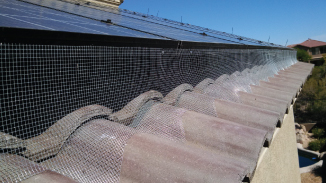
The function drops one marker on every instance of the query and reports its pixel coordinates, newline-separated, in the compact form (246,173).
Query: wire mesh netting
(50,95)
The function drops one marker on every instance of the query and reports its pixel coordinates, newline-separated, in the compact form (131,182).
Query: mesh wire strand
(41,84)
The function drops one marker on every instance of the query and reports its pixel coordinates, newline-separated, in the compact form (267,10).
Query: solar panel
(23,15)
(117,18)
(195,28)
(184,26)
(65,16)
(142,20)
(128,23)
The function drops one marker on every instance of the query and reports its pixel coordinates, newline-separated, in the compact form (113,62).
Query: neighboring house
(313,47)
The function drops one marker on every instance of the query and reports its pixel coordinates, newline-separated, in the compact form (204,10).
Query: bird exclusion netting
(52,97)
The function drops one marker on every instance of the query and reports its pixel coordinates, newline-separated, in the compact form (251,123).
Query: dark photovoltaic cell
(23,15)
(126,23)
(180,25)
(183,26)
(158,25)
(194,28)
(134,23)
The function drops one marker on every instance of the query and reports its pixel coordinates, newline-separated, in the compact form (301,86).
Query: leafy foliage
(311,104)
(318,132)
(303,55)
(324,57)
(316,145)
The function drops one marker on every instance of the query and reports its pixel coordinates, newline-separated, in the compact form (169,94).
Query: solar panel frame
(176,24)
(198,28)
(155,28)
(23,15)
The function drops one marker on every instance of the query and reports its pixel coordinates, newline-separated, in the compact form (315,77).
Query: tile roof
(310,43)
(13,165)
(198,136)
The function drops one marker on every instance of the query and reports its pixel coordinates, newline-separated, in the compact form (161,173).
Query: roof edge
(46,37)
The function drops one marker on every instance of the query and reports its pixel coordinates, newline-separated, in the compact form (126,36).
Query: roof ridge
(309,43)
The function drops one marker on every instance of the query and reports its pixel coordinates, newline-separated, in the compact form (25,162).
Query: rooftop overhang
(33,36)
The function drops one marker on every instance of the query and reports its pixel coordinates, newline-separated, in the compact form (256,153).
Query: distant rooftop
(310,43)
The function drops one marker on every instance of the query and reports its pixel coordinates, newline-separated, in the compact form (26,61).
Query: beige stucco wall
(279,163)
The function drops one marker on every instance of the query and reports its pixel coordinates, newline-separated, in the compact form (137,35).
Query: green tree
(324,57)
(318,132)
(303,55)
(323,68)
(317,145)
(311,104)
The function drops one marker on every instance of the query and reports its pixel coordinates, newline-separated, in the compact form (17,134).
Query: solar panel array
(23,15)
(83,18)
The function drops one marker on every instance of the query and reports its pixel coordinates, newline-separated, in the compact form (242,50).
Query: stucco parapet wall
(279,163)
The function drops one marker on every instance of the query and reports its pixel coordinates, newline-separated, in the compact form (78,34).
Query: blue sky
(281,20)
